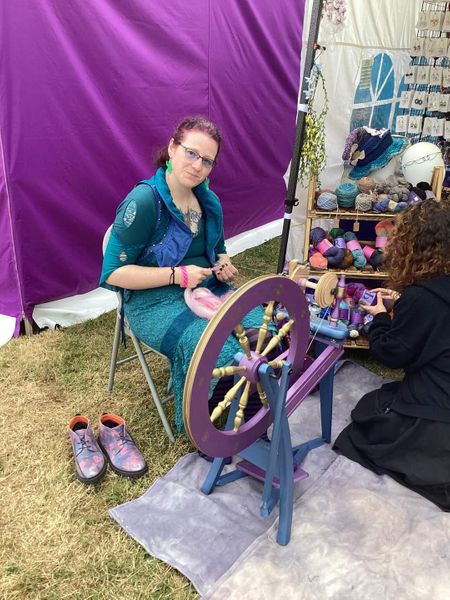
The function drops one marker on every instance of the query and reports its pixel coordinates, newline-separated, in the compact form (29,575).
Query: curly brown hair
(419,247)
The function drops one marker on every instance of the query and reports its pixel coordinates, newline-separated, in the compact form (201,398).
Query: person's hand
(225,272)
(387,294)
(379,306)
(195,275)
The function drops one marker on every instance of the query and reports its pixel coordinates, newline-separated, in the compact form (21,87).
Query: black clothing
(403,428)
(418,340)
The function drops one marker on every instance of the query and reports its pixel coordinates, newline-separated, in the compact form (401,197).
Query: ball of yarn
(366,185)
(327,201)
(346,194)
(359,260)
(363,202)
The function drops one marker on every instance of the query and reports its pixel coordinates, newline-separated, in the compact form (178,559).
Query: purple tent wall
(89,92)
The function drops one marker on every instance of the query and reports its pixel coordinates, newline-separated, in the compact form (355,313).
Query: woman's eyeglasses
(193,156)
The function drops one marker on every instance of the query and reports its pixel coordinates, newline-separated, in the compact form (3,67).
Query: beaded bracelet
(184,276)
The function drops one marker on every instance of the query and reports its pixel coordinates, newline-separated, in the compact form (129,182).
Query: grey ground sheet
(355,535)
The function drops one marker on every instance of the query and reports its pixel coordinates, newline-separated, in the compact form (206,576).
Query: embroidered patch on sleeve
(130,213)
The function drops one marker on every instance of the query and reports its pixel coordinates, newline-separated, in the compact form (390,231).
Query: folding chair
(140,355)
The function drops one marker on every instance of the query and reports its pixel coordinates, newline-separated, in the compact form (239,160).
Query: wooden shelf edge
(348,273)
(344,216)
(362,345)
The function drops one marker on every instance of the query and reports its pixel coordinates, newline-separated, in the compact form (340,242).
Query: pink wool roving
(203,302)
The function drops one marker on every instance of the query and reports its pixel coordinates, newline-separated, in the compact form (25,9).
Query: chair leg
(152,387)
(115,350)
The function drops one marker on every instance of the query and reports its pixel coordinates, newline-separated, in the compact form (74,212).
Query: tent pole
(291,201)
(28,327)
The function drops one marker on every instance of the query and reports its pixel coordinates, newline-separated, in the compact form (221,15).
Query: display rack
(313,214)
(424,102)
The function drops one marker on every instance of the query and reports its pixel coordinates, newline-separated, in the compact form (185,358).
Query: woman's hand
(195,275)
(225,271)
(379,306)
(387,294)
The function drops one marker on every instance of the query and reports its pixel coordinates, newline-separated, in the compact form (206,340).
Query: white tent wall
(372,27)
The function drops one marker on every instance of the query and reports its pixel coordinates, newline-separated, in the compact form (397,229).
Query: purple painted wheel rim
(203,433)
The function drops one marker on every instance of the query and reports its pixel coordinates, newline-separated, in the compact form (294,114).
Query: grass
(58,541)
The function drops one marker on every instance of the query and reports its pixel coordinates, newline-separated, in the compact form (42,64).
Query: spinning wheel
(197,420)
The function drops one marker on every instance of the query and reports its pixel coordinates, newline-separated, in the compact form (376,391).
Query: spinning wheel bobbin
(324,289)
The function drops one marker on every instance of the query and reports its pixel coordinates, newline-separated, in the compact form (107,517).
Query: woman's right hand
(195,275)
(386,294)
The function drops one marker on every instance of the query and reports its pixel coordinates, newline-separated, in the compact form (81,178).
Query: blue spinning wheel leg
(286,485)
(280,456)
(276,395)
(326,400)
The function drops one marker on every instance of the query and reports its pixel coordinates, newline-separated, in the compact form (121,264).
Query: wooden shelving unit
(312,214)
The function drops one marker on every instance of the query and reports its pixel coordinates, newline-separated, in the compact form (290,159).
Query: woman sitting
(168,236)
(403,428)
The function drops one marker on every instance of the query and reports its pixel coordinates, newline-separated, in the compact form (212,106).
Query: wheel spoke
(265,325)
(227,371)
(243,340)
(261,393)
(276,364)
(228,398)
(242,405)
(277,338)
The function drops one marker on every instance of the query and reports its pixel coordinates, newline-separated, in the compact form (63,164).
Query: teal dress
(160,316)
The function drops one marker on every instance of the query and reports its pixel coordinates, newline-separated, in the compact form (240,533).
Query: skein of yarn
(353,244)
(374,257)
(333,254)
(317,260)
(355,290)
(383,230)
(336,235)
(389,206)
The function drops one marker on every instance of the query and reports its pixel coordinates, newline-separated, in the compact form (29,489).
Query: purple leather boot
(90,461)
(120,450)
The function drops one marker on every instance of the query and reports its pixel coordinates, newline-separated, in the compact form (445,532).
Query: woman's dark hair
(419,246)
(187,124)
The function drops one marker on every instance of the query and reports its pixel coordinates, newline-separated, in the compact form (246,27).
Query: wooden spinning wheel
(271,289)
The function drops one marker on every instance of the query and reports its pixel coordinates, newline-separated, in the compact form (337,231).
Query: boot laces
(124,439)
(85,444)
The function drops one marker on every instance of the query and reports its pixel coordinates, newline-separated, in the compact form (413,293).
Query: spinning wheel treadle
(266,289)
